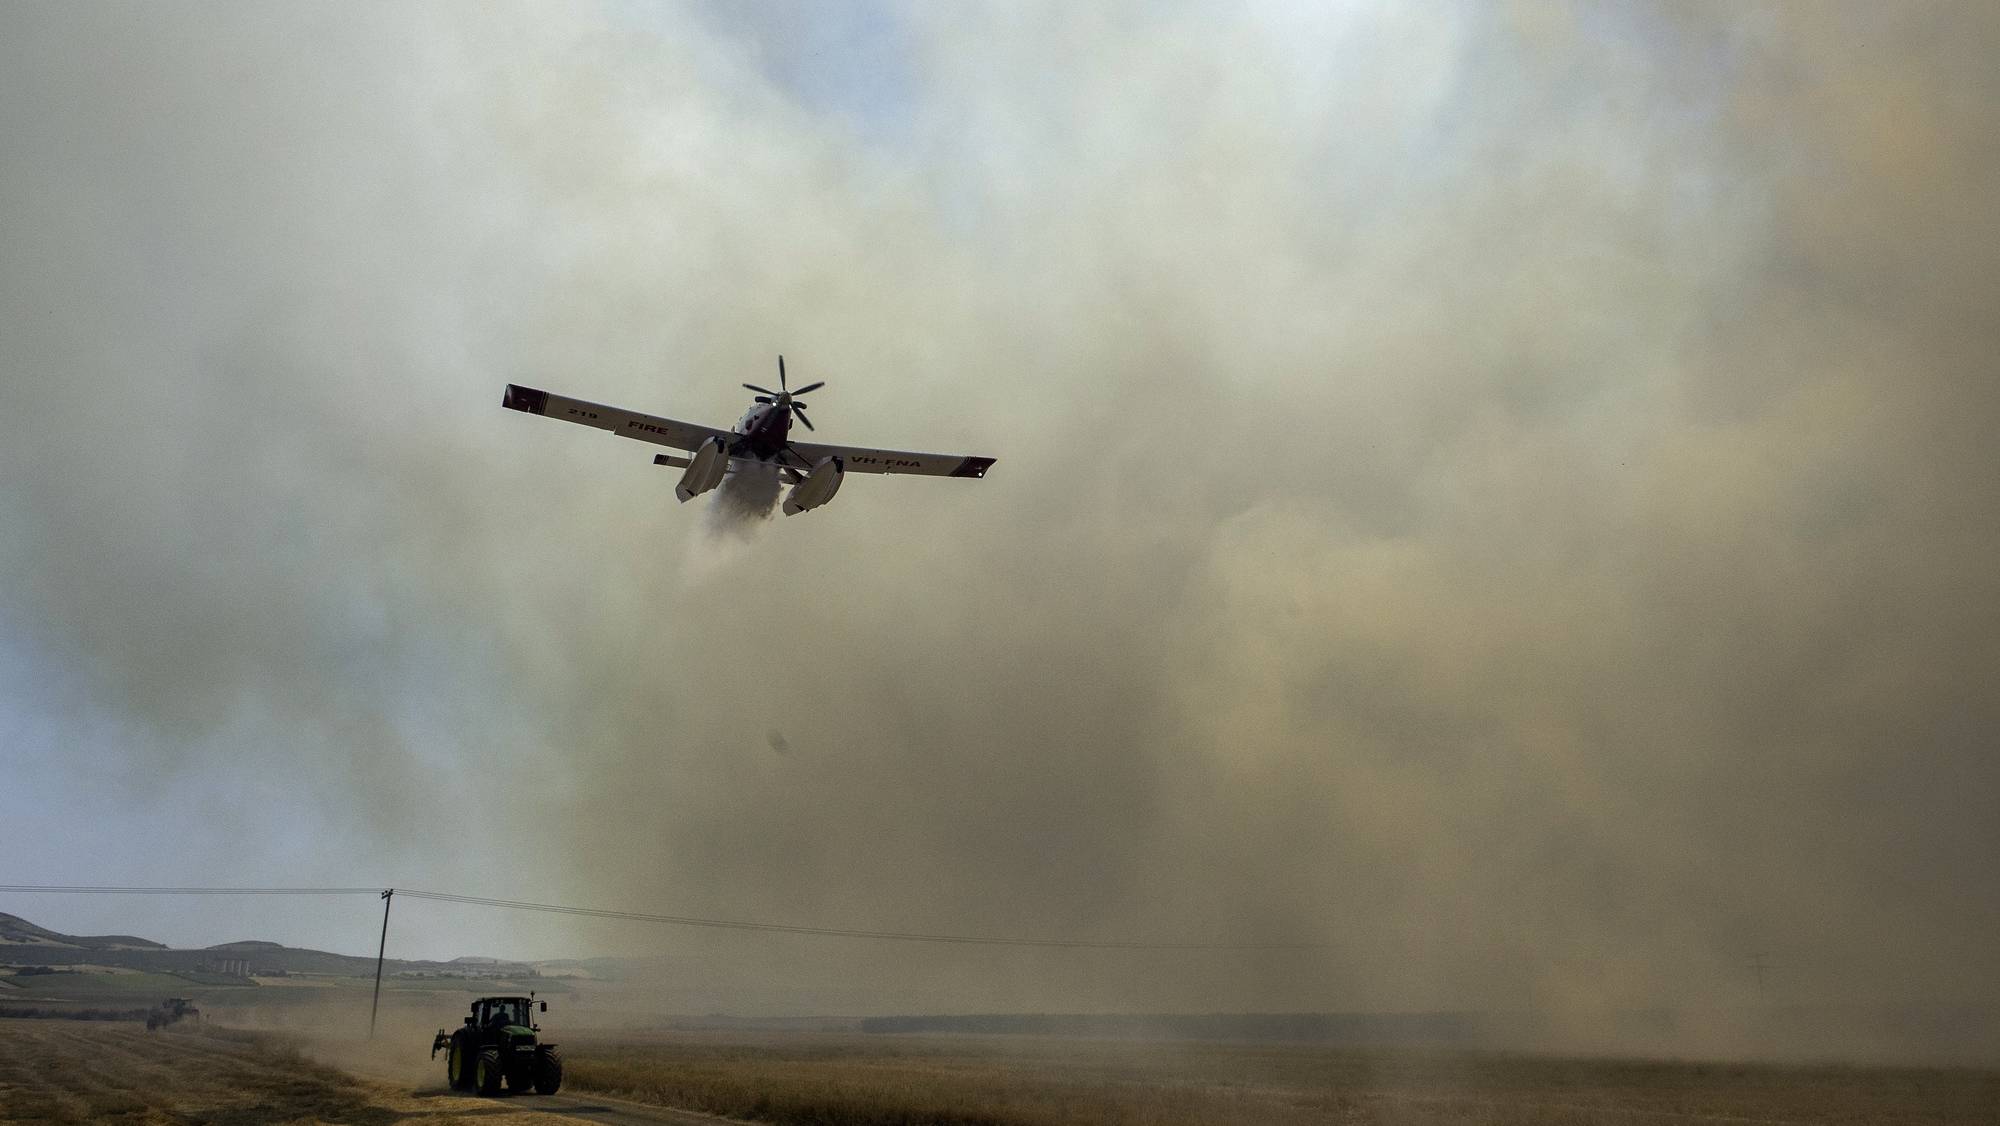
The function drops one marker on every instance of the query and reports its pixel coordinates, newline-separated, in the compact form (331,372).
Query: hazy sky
(1505,491)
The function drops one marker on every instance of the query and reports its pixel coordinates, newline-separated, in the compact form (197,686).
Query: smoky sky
(1501,491)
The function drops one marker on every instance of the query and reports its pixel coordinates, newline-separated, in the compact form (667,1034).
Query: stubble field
(75,1072)
(65,1072)
(822,1078)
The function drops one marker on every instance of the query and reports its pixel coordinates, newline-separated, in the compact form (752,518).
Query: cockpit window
(507,1012)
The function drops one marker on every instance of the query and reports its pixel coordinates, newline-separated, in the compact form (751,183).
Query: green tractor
(498,1043)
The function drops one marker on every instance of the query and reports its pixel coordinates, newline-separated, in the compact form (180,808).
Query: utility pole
(1758,965)
(387,895)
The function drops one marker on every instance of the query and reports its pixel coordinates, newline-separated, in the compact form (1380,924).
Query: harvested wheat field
(826,1078)
(58,1071)
(55,1071)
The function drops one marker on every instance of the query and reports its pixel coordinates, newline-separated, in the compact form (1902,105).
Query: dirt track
(91,1071)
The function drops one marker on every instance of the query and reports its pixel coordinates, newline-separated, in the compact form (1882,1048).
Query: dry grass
(855,1080)
(78,1072)
(64,1072)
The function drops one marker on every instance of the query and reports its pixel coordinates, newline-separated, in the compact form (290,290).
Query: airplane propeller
(784,397)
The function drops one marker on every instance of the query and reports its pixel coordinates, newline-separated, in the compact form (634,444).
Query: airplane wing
(860,459)
(629,424)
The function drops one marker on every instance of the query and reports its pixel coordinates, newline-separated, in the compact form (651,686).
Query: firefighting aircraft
(762,435)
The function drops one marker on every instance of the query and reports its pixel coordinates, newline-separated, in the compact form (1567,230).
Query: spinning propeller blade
(785,397)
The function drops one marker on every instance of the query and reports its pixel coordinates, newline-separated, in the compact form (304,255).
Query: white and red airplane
(762,436)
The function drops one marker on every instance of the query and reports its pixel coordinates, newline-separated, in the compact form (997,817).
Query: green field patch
(91,986)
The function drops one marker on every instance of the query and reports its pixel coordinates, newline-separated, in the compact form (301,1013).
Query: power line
(843,932)
(682,920)
(100,890)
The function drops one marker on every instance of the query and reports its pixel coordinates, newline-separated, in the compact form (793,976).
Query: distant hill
(16,931)
(22,943)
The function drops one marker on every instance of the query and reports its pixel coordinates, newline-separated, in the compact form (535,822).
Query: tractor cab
(504,1012)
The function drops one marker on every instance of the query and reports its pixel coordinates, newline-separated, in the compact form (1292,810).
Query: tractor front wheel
(548,1071)
(490,1071)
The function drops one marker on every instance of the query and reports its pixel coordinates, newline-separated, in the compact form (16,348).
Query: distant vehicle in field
(500,1042)
(171,1011)
(761,437)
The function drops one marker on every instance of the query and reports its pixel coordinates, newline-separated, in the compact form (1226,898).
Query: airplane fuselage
(762,431)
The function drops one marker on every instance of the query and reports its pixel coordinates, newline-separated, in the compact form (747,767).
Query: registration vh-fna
(762,437)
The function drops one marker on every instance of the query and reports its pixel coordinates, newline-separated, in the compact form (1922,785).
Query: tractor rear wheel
(458,1065)
(548,1071)
(490,1071)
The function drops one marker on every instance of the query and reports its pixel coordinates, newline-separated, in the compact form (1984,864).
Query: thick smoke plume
(1504,492)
